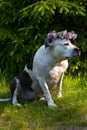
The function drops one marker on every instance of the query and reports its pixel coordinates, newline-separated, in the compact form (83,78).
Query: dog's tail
(5,99)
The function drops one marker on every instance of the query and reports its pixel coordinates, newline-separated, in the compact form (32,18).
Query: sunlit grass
(71,110)
(4,86)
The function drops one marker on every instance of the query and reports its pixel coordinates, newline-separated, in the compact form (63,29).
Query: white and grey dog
(49,64)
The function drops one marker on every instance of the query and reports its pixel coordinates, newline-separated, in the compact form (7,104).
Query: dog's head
(61,44)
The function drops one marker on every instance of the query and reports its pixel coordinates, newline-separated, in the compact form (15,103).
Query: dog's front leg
(46,92)
(59,86)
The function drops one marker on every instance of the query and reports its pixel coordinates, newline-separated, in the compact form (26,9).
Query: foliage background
(24,25)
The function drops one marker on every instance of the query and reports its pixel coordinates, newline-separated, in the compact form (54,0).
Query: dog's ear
(72,41)
(48,43)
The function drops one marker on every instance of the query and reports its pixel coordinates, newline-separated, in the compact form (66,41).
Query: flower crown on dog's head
(59,35)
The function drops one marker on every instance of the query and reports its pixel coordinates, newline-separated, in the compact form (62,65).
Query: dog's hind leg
(59,87)
(14,89)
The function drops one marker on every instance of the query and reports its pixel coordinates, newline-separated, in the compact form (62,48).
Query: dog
(49,64)
(51,61)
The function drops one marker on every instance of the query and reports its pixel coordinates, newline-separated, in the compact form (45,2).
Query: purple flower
(64,32)
(50,36)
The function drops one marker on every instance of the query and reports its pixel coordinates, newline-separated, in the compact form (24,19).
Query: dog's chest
(54,75)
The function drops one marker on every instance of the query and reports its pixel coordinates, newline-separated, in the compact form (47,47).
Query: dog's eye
(66,44)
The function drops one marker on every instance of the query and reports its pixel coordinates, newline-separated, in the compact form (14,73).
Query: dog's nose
(77,51)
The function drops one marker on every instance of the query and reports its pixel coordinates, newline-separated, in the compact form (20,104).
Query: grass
(71,113)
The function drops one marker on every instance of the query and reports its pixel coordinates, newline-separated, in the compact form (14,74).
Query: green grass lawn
(71,113)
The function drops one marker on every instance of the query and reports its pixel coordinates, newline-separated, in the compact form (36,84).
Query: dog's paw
(52,105)
(59,95)
(18,105)
(42,99)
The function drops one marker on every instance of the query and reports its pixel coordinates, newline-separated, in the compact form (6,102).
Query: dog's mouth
(72,56)
(76,53)
(67,57)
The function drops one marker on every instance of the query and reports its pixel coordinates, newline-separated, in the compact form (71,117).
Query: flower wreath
(59,35)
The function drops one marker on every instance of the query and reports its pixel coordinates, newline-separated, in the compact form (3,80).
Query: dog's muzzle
(77,52)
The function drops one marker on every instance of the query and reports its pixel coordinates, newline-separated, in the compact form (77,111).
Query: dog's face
(61,44)
(64,49)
